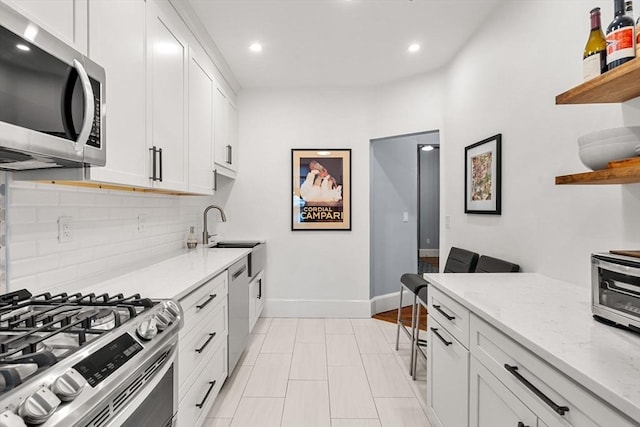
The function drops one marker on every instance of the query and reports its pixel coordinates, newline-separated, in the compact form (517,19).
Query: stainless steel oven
(615,293)
(88,360)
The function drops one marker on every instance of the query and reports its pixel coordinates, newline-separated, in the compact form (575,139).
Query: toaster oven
(615,284)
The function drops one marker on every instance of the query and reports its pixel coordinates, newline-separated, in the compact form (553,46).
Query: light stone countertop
(553,319)
(174,277)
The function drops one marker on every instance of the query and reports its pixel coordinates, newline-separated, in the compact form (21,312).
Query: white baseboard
(389,302)
(317,308)
(428,252)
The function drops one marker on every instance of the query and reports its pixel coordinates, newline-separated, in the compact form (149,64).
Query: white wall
(505,81)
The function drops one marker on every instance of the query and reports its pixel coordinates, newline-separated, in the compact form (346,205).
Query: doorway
(428,208)
(394,213)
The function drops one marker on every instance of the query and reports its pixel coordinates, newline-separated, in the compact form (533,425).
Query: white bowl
(597,149)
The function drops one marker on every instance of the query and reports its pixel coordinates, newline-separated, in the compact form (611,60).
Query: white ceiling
(337,42)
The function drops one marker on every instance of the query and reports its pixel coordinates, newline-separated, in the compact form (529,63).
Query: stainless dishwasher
(238,311)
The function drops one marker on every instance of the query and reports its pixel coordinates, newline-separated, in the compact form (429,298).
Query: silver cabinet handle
(89,109)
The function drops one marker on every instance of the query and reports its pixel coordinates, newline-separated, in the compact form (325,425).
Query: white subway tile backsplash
(23,215)
(29,266)
(32,197)
(21,250)
(106,235)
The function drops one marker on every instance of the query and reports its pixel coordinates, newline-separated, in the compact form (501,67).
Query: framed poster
(482,178)
(321,184)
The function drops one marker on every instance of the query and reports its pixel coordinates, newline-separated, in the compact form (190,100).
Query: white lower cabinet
(198,400)
(202,350)
(491,404)
(479,377)
(256,300)
(556,400)
(447,377)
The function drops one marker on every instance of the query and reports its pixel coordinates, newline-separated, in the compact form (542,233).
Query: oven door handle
(212,384)
(89,108)
(622,288)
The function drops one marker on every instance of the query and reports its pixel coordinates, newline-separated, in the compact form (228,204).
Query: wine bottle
(594,58)
(621,41)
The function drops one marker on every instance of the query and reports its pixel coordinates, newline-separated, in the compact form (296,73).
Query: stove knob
(171,309)
(39,406)
(69,385)
(9,419)
(147,330)
(162,321)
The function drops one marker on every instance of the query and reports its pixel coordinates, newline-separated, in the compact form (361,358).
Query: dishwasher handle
(239,272)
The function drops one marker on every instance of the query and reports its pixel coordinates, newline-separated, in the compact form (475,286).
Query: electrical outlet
(141,222)
(64,229)
(428,241)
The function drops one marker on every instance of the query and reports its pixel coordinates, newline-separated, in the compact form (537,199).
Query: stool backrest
(461,261)
(487,264)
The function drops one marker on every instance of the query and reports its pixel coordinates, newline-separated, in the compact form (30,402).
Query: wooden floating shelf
(626,171)
(617,85)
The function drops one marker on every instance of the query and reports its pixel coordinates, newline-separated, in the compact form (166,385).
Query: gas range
(86,359)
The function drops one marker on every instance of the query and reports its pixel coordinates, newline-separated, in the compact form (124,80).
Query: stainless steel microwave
(52,100)
(615,288)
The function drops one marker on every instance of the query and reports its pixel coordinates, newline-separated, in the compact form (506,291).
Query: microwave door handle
(89,109)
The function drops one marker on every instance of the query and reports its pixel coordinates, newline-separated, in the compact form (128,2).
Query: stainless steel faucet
(205,232)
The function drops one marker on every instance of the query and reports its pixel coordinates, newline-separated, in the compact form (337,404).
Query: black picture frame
(483,177)
(321,189)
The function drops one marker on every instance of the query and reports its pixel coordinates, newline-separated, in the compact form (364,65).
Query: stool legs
(399,319)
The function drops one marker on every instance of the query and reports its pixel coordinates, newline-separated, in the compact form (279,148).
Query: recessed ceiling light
(414,47)
(255,47)
(23,47)
(427,148)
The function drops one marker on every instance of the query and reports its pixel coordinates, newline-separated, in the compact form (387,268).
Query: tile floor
(323,372)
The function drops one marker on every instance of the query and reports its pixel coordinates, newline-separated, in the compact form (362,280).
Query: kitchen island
(523,347)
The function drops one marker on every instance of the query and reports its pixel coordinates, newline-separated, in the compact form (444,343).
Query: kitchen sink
(224,245)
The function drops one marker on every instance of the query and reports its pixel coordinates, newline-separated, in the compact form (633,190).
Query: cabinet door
(220,115)
(447,378)
(201,87)
(491,404)
(167,56)
(232,135)
(65,19)
(117,42)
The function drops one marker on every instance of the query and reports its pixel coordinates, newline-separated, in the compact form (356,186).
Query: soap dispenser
(192,242)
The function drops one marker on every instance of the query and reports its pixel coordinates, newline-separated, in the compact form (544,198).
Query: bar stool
(412,283)
(420,343)
(487,264)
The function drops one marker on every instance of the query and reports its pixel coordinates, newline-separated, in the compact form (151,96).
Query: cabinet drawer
(521,371)
(491,404)
(198,401)
(447,377)
(450,314)
(198,344)
(202,300)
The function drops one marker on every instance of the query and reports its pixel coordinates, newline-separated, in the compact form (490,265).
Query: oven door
(156,404)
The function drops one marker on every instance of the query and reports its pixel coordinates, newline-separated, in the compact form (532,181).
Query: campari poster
(321,182)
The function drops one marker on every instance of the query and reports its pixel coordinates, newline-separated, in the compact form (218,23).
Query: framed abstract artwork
(321,187)
(482,176)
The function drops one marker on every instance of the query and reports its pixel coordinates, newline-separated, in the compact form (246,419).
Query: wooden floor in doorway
(405,315)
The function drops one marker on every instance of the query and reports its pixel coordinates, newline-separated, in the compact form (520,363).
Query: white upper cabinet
(226,133)
(201,152)
(167,70)
(117,42)
(65,19)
